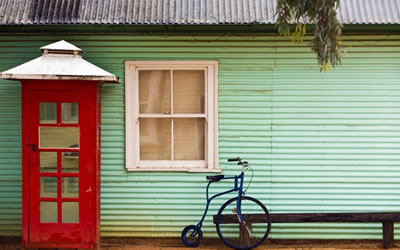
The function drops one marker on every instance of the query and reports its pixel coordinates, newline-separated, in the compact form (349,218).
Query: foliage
(326,42)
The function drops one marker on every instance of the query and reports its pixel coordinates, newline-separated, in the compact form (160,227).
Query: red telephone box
(60,148)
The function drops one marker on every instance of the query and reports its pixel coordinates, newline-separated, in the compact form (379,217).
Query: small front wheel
(191,236)
(246,234)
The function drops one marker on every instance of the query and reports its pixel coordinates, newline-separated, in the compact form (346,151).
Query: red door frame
(89,190)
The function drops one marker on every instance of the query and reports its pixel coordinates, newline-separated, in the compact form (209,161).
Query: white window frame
(132,136)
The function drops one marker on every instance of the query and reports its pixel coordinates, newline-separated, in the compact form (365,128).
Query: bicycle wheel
(191,236)
(249,233)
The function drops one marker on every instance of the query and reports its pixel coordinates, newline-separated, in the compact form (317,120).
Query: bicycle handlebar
(235,159)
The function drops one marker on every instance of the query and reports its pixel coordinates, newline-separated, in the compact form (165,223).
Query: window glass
(70,113)
(155,139)
(48,113)
(70,212)
(48,187)
(48,212)
(70,162)
(189,139)
(154,92)
(48,162)
(59,137)
(70,187)
(188,91)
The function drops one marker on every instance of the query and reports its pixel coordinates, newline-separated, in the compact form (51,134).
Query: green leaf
(326,43)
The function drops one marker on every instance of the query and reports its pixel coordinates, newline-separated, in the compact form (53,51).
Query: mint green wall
(318,142)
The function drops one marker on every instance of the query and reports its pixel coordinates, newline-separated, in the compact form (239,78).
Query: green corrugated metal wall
(10,157)
(318,142)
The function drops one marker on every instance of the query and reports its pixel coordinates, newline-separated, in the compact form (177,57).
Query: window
(171,116)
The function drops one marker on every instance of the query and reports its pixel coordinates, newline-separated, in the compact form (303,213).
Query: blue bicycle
(242,222)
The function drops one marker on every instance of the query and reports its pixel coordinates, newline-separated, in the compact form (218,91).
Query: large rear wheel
(246,234)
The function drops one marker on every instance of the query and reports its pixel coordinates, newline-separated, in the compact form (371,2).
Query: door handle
(34,147)
(31,155)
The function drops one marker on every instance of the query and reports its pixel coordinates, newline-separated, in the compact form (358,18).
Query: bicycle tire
(249,234)
(191,236)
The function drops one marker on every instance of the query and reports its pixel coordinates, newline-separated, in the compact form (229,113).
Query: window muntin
(171,116)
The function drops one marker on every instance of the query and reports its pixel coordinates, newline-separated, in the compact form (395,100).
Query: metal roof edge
(105,79)
(170,29)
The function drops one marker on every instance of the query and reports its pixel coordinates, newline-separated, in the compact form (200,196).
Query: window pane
(48,187)
(154,92)
(48,212)
(70,212)
(48,162)
(155,139)
(70,162)
(70,113)
(70,187)
(188,91)
(48,112)
(59,137)
(189,137)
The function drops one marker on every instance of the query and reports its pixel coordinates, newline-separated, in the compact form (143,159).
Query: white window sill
(189,170)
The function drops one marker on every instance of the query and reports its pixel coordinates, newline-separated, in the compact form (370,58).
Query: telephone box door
(61,148)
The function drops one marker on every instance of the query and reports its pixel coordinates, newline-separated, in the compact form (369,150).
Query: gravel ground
(14,243)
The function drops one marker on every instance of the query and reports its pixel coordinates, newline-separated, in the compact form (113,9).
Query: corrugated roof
(178,12)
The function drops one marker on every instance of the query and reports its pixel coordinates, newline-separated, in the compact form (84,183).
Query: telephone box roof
(60,61)
(61,45)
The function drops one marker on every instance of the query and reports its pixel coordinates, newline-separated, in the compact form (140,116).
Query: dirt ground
(14,243)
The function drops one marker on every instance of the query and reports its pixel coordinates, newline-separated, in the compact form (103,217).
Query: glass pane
(154,91)
(48,187)
(155,139)
(189,89)
(70,212)
(70,113)
(48,212)
(48,112)
(70,187)
(189,138)
(59,137)
(48,162)
(70,162)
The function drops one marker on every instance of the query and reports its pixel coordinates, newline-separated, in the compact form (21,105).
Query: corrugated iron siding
(318,142)
(10,156)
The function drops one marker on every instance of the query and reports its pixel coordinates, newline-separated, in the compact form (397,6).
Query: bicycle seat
(214,178)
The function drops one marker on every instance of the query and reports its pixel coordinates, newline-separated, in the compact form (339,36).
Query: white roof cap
(60,61)
(61,45)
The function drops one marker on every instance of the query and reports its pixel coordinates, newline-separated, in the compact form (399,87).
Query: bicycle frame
(243,236)
(237,187)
